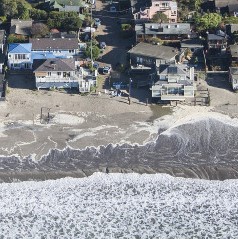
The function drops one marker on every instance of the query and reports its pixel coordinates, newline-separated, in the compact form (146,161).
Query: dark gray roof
(140,4)
(54,43)
(54,64)
(176,70)
(234,50)
(231,28)
(172,70)
(154,51)
(21,27)
(163,28)
(234,70)
(194,42)
(217,36)
(231,4)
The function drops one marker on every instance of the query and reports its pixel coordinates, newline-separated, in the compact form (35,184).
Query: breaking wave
(120,206)
(205,147)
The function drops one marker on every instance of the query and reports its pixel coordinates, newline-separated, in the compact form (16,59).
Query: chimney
(53,64)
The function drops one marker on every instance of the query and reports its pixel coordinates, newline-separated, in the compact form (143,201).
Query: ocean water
(204,146)
(120,206)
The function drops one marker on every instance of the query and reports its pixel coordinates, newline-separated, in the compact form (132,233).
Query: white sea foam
(120,206)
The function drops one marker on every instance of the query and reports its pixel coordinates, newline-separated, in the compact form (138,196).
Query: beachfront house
(19,56)
(233,77)
(165,31)
(57,47)
(147,11)
(174,83)
(56,73)
(145,56)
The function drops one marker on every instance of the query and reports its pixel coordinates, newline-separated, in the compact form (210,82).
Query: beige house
(167,7)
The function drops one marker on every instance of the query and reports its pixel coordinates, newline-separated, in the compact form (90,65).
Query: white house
(19,56)
(56,73)
(175,82)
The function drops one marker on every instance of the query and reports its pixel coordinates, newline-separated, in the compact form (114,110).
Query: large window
(20,56)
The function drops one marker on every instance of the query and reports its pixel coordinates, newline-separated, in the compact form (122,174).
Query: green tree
(95,52)
(15,39)
(8,8)
(71,24)
(230,20)
(39,30)
(15,8)
(159,17)
(23,9)
(208,21)
(37,14)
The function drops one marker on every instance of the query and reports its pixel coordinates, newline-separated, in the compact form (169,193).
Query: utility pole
(91,22)
(129,97)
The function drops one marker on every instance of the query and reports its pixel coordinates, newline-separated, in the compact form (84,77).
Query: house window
(20,56)
(49,73)
(71,51)
(157,5)
(59,73)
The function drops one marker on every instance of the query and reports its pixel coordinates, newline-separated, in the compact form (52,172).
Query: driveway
(109,32)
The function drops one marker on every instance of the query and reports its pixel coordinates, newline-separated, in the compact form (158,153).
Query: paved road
(109,32)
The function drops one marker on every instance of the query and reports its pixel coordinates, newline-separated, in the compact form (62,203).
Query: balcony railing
(57,79)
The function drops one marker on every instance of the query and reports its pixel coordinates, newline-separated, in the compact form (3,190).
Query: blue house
(19,56)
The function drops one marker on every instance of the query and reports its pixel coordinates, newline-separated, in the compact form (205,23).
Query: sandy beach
(98,120)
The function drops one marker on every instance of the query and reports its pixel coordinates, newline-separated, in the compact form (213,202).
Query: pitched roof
(138,5)
(21,27)
(155,51)
(234,72)
(176,70)
(231,28)
(70,2)
(54,43)
(163,28)
(19,48)
(172,70)
(225,3)
(219,35)
(55,64)
(192,43)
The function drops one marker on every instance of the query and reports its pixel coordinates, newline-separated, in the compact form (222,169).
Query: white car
(106,70)
(97,22)
(102,45)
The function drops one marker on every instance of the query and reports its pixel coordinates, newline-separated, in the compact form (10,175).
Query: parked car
(96,65)
(97,22)
(106,70)
(102,45)
(112,9)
